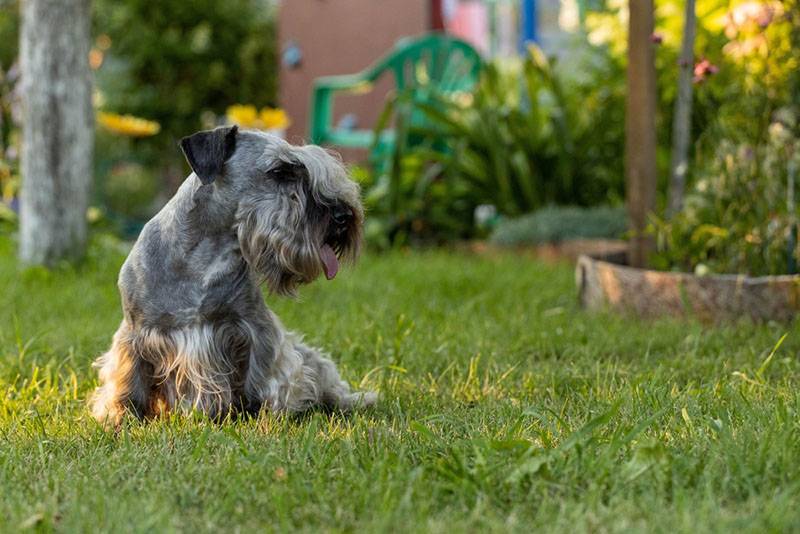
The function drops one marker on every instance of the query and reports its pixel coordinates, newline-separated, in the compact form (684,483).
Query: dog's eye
(286,172)
(280,176)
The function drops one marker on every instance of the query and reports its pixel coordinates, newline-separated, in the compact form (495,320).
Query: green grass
(505,408)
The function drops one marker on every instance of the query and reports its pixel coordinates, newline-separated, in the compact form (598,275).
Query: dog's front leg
(126,380)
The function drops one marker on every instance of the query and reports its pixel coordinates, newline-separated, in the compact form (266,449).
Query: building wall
(341,37)
(557,21)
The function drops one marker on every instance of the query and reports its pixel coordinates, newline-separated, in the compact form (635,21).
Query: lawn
(504,407)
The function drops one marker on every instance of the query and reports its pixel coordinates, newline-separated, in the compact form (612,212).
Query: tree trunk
(58,129)
(682,123)
(640,129)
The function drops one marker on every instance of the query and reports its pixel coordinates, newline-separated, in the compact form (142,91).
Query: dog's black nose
(341,215)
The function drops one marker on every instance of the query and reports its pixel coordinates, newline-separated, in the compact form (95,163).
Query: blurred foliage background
(182,61)
(550,132)
(539,132)
(178,65)
(536,132)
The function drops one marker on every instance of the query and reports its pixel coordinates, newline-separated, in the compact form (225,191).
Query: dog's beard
(286,254)
(277,252)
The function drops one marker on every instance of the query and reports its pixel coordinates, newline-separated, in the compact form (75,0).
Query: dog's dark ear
(208,150)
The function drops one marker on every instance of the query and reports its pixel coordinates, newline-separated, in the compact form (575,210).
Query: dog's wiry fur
(196,333)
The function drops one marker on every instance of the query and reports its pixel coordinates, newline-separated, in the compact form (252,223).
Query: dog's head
(297,213)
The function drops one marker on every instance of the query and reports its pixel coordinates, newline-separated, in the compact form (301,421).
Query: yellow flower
(250,117)
(128,125)
(93,214)
(246,116)
(9,182)
(274,118)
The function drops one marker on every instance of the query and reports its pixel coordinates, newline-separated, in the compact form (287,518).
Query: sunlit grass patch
(503,407)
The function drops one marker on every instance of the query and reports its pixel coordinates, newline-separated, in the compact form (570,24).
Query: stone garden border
(710,298)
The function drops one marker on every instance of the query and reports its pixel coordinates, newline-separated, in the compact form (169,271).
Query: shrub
(755,47)
(555,224)
(186,57)
(530,135)
(177,62)
(740,215)
(129,190)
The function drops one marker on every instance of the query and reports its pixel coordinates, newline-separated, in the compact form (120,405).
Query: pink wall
(341,37)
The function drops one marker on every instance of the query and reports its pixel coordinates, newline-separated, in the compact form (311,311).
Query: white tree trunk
(58,129)
(682,122)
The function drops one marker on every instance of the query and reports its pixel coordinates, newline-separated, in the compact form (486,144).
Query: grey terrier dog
(196,333)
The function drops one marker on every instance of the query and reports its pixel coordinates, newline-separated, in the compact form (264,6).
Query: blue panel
(528,31)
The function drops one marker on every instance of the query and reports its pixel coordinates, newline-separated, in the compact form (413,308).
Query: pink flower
(765,18)
(703,69)
(758,13)
(656,38)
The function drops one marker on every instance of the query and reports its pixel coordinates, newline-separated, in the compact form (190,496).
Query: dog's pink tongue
(329,261)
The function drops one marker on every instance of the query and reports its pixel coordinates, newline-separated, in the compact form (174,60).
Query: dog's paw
(368,398)
(359,399)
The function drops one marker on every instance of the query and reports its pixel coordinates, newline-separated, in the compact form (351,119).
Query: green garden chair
(434,63)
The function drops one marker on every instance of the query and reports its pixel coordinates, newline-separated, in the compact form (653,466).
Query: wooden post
(682,122)
(640,129)
(58,129)
(437,18)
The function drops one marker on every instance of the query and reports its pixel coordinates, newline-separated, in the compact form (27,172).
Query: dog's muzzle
(335,239)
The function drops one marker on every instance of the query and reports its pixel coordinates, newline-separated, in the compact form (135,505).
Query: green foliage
(756,66)
(9,30)
(554,224)
(744,131)
(130,189)
(737,217)
(412,205)
(503,406)
(176,61)
(537,133)
(127,181)
(173,60)
(523,145)
(756,62)
(529,136)
(9,114)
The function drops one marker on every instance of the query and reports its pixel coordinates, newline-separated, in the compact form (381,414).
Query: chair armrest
(321,118)
(350,82)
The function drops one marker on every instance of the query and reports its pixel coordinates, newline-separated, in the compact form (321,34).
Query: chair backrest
(435,61)
(423,67)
